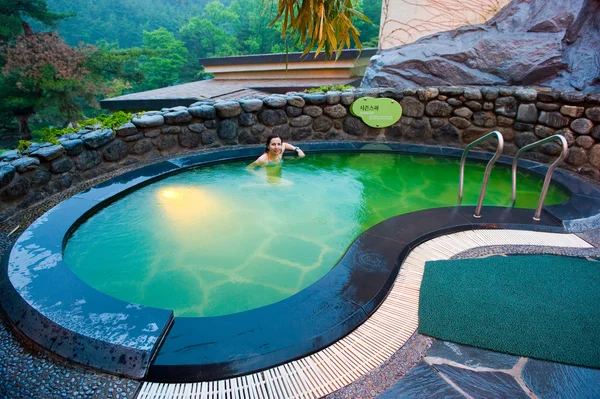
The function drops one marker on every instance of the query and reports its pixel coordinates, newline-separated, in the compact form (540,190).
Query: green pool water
(218,239)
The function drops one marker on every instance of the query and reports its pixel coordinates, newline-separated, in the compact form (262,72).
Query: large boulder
(529,42)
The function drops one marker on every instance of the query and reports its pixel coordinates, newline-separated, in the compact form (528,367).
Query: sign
(377,112)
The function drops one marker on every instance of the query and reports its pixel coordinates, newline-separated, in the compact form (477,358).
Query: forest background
(106,48)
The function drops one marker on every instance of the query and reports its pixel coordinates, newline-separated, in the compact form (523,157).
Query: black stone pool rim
(51,306)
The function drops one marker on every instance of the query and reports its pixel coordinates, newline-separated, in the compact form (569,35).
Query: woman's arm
(288,146)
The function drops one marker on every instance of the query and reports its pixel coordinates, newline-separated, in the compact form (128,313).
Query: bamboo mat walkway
(371,344)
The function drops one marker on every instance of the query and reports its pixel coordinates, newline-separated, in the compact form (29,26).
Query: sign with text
(377,112)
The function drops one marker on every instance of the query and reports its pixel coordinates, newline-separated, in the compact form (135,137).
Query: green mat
(545,307)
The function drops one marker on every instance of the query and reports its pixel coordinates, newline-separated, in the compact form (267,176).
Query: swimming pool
(53,306)
(217,240)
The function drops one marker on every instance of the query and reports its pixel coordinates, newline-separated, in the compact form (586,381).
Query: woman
(273,155)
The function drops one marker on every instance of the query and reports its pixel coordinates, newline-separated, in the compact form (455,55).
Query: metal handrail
(563,154)
(488,168)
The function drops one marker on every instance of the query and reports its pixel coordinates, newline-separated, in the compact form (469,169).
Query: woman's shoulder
(262,159)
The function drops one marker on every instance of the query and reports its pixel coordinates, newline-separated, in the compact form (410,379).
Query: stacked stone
(434,115)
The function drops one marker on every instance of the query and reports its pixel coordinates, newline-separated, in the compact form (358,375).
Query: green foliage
(14,13)
(49,135)
(325,89)
(169,55)
(23,145)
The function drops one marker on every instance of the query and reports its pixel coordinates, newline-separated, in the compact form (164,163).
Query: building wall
(404,21)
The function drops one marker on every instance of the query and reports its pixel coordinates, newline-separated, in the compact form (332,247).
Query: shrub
(325,89)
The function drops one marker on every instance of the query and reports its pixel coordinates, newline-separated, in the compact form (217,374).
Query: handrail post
(547,178)
(488,168)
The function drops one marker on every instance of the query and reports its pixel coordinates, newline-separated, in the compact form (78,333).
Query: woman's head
(274,143)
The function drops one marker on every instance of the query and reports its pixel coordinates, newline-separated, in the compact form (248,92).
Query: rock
(315,99)
(148,121)
(472,133)
(509,134)
(489,93)
(472,94)
(247,119)
(272,117)
(275,101)
(593,98)
(173,109)
(209,137)
(577,156)
(322,124)
(114,151)
(335,111)
(412,108)
(283,131)
(206,111)
(504,121)
(582,126)
(524,127)
(524,139)
(198,127)
(448,132)
(141,147)
(543,131)
(293,111)
(568,135)
(169,129)
(548,96)
(73,147)
(347,98)
(61,165)
(166,142)
(354,126)
(452,91)
(594,155)
(526,94)
(455,102)
(333,97)
(178,117)
(488,106)
(303,120)
(593,114)
(550,148)
(438,108)
(228,130)
(595,133)
(228,109)
(527,113)
(60,183)
(245,137)
(49,153)
(40,178)
(300,133)
(427,94)
(463,112)
(547,107)
(296,101)
(436,123)
(506,106)
(313,110)
(88,160)
(127,129)
(257,130)
(585,142)
(484,119)
(572,111)
(25,164)
(152,133)
(505,50)
(553,119)
(9,155)
(251,105)
(18,188)
(573,96)
(210,124)
(98,138)
(7,173)
(189,139)
(474,105)
(459,122)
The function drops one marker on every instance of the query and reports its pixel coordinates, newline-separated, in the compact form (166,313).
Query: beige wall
(404,21)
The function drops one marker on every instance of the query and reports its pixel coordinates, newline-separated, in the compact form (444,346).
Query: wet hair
(271,137)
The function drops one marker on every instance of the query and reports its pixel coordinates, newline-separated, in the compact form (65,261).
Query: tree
(326,24)
(168,56)
(13,14)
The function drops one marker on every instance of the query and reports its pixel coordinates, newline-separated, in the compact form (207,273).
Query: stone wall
(450,116)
